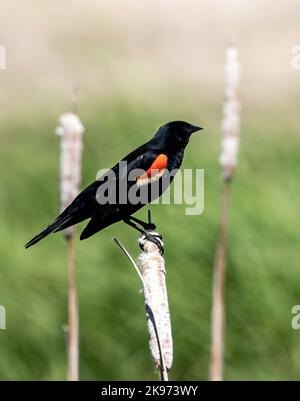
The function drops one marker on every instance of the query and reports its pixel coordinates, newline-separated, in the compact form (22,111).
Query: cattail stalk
(152,267)
(70,132)
(230,137)
(152,272)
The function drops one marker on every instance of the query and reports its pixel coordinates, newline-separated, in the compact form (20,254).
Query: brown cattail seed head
(231,115)
(70,131)
(152,267)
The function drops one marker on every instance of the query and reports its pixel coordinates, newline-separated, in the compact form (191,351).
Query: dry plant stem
(158,355)
(74,99)
(218,310)
(70,132)
(73,354)
(230,140)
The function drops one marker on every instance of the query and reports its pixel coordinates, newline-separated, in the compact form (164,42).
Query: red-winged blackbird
(149,163)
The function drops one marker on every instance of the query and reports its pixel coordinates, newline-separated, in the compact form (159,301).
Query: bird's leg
(147,226)
(145,231)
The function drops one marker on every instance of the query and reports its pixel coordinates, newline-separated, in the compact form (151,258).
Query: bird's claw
(156,239)
(150,227)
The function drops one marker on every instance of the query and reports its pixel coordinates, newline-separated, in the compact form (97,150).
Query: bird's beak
(194,128)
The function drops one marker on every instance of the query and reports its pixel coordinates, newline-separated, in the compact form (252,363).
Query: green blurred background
(138,65)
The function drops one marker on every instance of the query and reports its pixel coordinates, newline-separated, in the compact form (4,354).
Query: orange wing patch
(155,171)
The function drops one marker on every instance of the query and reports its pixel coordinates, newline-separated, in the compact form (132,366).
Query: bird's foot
(155,239)
(147,229)
(149,226)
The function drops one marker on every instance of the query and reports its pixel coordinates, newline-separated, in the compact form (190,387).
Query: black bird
(148,165)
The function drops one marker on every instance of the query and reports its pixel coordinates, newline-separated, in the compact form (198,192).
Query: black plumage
(165,149)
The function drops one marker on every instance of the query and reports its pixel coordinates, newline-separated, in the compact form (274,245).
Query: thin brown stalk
(73,335)
(70,132)
(218,310)
(228,161)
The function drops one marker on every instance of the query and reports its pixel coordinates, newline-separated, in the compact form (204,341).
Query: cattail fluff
(152,267)
(231,115)
(70,131)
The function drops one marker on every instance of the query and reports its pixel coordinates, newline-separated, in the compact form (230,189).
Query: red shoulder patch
(155,171)
(160,163)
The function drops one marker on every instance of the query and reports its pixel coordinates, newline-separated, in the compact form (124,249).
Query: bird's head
(176,134)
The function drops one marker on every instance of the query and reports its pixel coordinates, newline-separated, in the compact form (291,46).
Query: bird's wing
(140,160)
(143,158)
(143,164)
(86,204)
(146,168)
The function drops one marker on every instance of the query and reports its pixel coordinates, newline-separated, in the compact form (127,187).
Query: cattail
(228,161)
(230,130)
(70,132)
(152,272)
(152,267)
(2,318)
(2,57)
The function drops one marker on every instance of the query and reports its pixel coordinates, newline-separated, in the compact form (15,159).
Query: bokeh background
(138,65)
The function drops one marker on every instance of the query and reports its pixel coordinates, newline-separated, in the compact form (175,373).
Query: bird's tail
(57,223)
